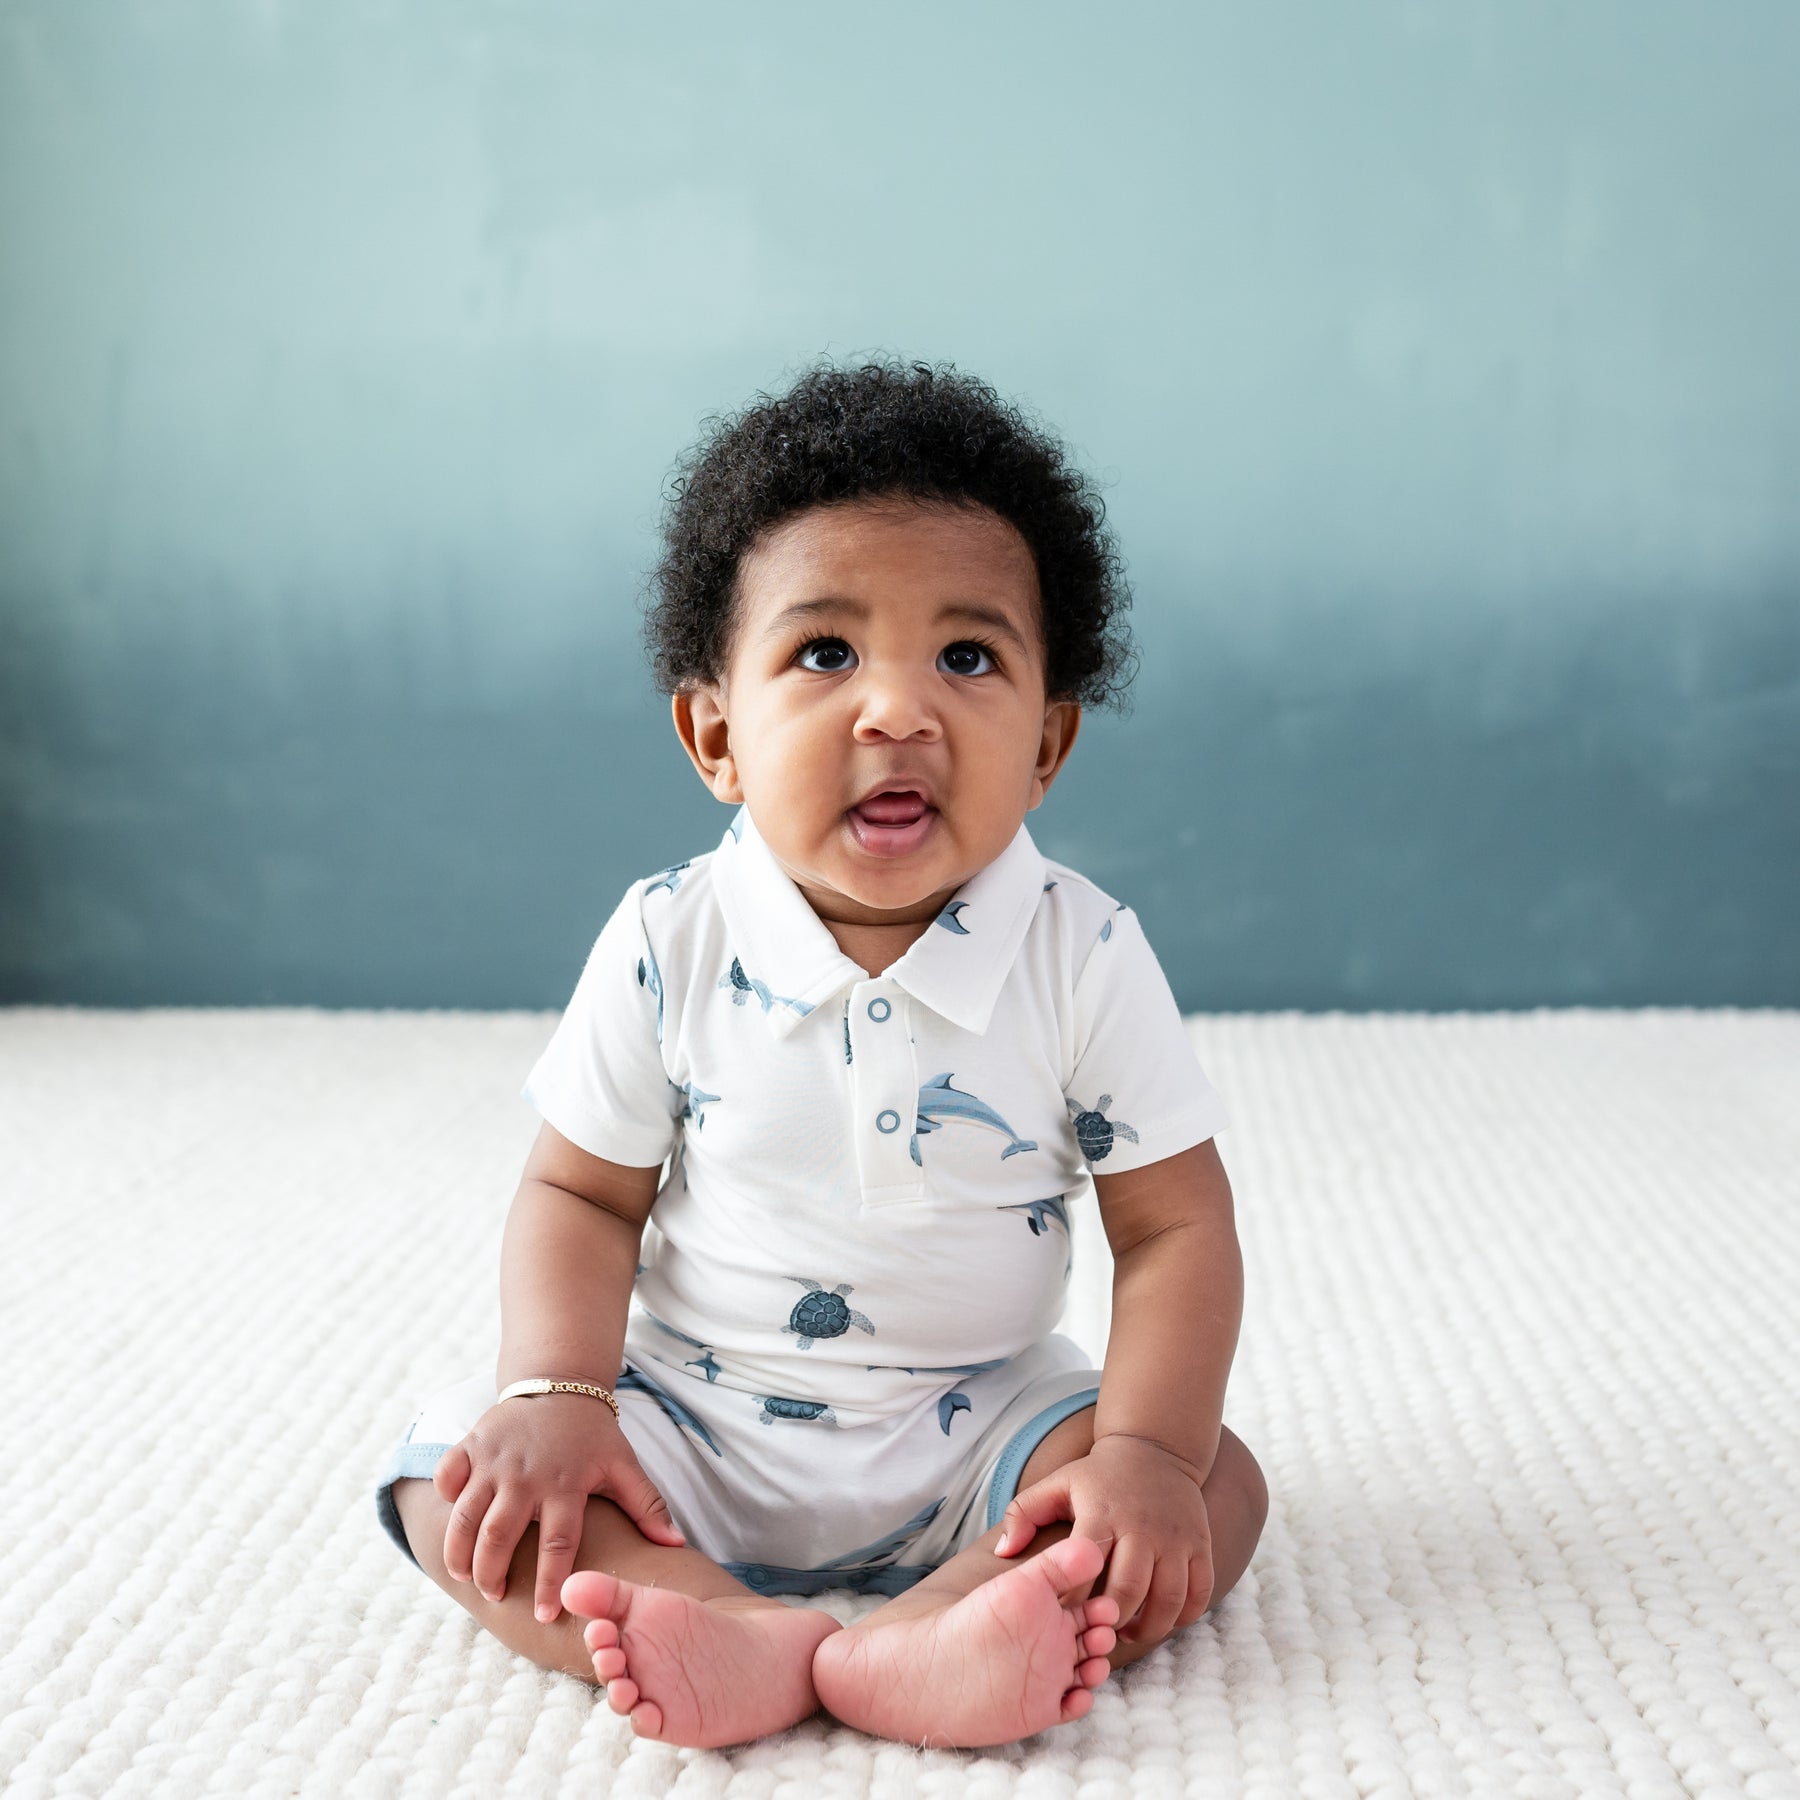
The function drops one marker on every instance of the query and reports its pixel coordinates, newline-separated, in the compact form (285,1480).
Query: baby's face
(883,710)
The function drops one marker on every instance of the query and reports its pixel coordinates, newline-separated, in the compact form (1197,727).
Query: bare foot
(1011,1658)
(700,1672)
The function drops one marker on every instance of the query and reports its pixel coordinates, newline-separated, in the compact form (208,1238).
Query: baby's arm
(566,1269)
(1178,1302)
(1178,1299)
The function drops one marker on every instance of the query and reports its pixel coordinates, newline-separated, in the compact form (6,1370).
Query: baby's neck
(875,948)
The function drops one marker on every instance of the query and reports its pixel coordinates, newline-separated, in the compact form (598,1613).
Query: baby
(779,1284)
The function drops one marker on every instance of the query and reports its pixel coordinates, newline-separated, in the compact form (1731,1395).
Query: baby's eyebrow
(800,610)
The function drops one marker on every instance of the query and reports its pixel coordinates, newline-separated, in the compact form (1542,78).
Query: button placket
(884,1093)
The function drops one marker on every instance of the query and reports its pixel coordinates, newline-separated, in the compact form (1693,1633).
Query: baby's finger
(636,1493)
(1199,1589)
(560,1519)
(495,1543)
(1162,1605)
(1128,1573)
(1043,1503)
(451,1475)
(460,1528)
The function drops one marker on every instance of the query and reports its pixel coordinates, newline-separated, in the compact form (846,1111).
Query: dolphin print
(1039,1213)
(673,1407)
(698,1099)
(940,1104)
(948,1407)
(705,1362)
(865,1571)
(650,976)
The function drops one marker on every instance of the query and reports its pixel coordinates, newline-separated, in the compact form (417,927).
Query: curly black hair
(873,430)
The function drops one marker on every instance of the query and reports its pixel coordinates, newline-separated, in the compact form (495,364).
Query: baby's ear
(705,735)
(1062,720)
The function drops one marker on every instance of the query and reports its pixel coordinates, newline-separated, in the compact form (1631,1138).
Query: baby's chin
(902,888)
(898,894)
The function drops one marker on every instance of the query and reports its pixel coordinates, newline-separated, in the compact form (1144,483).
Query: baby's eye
(826,656)
(965,659)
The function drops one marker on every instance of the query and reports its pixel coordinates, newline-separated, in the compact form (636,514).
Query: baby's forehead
(904,562)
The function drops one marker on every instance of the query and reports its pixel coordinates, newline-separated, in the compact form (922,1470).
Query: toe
(600,1634)
(1097,1640)
(590,1592)
(622,1694)
(609,1665)
(1094,1671)
(1070,1564)
(1103,1609)
(647,1719)
(1076,1703)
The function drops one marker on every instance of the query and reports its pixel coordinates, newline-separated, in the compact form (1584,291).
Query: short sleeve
(1137,1093)
(601,1080)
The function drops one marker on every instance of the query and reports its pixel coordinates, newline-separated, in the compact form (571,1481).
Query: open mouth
(894,822)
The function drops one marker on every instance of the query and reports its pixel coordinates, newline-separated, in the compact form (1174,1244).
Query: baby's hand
(539,1458)
(1142,1504)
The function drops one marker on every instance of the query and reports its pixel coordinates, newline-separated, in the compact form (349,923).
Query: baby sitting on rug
(849,1068)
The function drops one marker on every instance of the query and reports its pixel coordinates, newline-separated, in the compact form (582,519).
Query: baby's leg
(689,1654)
(987,1649)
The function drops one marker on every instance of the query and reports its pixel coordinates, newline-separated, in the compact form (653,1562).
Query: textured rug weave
(1520,1360)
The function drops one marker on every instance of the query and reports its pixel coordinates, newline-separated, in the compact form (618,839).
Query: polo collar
(794,965)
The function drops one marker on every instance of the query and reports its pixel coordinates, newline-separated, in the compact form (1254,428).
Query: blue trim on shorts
(1005,1485)
(415,1461)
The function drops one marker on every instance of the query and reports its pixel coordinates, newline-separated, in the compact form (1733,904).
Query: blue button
(887,1121)
(881,1016)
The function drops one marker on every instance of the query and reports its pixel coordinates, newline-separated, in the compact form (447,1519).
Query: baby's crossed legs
(984,1650)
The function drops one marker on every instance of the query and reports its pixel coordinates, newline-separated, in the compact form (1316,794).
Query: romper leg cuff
(1005,1485)
(419,1461)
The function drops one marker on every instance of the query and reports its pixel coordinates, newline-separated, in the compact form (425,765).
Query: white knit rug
(1521,1361)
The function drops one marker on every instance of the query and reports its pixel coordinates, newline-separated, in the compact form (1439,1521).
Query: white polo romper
(841,1346)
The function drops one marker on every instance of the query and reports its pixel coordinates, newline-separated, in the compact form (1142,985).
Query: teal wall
(1441,363)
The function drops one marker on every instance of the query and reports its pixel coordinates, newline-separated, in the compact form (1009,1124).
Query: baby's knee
(422,1511)
(1237,1503)
(557,1645)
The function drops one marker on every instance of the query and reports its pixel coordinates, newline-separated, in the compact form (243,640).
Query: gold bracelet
(520,1389)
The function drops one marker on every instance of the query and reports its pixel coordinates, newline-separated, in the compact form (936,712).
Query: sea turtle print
(818,1314)
(940,1104)
(650,977)
(948,1407)
(868,1570)
(742,986)
(1095,1132)
(774,1407)
(950,922)
(669,878)
(848,1058)
(696,1103)
(1106,929)
(632,1378)
(1048,885)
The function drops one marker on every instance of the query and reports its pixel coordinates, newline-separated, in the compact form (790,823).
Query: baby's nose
(895,704)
